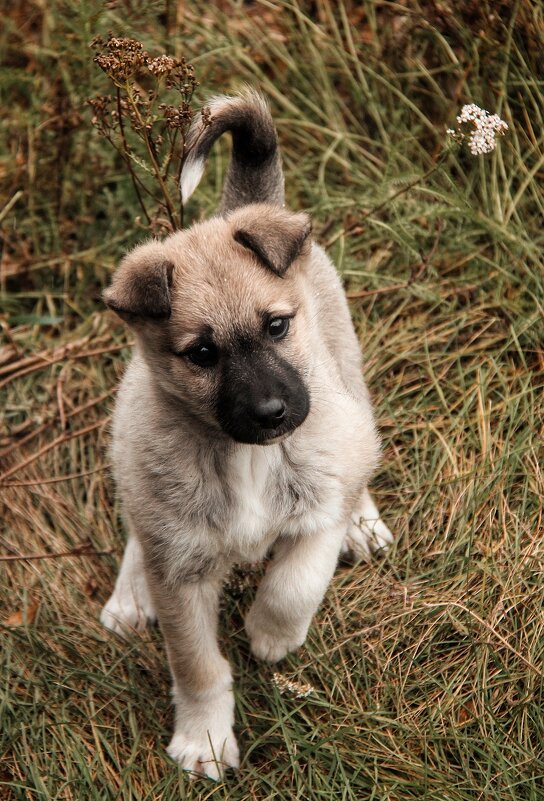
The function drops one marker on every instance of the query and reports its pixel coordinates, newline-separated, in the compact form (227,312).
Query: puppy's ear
(140,290)
(277,237)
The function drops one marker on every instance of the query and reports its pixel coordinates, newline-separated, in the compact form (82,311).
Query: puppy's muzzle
(262,397)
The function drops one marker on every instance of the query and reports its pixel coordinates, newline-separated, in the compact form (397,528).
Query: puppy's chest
(268,495)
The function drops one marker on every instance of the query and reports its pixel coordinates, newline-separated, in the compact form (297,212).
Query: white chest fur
(270,496)
(252,471)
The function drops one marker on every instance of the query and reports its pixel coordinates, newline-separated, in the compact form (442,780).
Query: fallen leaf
(467,713)
(23,617)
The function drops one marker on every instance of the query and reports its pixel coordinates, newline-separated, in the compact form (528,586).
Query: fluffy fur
(197,498)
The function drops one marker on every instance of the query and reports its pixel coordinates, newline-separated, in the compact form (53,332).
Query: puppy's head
(221,316)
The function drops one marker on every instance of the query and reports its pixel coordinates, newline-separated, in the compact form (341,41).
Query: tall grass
(426,666)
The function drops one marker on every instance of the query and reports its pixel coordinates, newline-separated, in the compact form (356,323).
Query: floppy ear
(140,289)
(277,237)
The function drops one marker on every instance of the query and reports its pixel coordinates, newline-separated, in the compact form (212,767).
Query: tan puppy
(242,427)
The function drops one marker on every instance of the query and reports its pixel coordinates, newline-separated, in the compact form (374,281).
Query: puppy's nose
(269,413)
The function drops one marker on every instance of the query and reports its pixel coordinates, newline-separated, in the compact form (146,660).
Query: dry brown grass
(427,666)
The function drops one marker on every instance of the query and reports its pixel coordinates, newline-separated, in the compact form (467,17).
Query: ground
(426,665)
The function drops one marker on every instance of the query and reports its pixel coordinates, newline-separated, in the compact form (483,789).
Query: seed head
(162,65)
(291,687)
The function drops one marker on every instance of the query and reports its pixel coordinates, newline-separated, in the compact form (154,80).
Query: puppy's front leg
(290,593)
(130,607)
(203,740)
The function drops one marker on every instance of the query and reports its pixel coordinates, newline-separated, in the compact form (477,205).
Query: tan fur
(196,500)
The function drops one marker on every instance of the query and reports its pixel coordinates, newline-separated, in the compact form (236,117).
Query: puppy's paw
(209,757)
(268,643)
(366,537)
(125,614)
(272,649)
(204,742)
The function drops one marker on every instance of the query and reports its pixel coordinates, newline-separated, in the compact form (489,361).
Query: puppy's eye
(203,355)
(278,327)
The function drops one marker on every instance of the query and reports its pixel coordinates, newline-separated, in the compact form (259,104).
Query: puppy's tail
(255,174)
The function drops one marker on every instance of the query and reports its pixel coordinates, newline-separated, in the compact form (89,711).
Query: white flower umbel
(479,128)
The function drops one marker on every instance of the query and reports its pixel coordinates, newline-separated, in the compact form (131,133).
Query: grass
(426,666)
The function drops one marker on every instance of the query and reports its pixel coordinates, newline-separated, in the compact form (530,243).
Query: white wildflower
(479,128)
(296,688)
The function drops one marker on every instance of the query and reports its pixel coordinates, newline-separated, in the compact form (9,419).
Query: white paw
(124,613)
(268,644)
(204,742)
(367,534)
(366,537)
(272,649)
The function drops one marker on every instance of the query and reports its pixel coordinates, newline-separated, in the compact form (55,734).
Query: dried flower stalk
(149,135)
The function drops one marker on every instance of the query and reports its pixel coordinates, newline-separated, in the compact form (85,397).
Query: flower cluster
(104,117)
(120,58)
(149,135)
(161,65)
(479,128)
(296,688)
(177,116)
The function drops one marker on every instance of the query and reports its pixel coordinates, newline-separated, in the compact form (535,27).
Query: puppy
(242,427)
